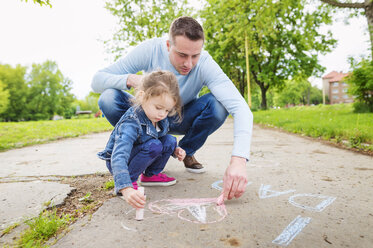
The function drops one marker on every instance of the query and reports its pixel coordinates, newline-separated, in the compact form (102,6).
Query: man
(194,68)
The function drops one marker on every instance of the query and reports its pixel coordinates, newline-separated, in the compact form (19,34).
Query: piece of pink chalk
(140,211)
(220,200)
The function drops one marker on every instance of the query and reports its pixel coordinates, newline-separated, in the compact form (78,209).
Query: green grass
(42,228)
(109,185)
(20,134)
(330,122)
(9,229)
(87,198)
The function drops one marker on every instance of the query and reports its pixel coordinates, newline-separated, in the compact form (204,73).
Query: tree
(361,85)
(295,92)
(315,95)
(89,102)
(14,83)
(283,36)
(365,5)
(49,92)
(4,97)
(298,91)
(42,2)
(142,19)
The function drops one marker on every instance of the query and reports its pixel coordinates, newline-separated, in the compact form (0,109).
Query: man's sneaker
(157,180)
(192,165)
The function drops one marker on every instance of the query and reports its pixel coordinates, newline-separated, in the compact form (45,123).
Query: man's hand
(133,197)
(179,153)
(235,178)
(134,80)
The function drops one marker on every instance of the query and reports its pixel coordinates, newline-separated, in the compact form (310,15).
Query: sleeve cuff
(125,82)
(119,187)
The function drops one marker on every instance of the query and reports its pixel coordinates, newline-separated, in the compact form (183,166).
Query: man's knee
(108,98)
(114,103)
(217,110)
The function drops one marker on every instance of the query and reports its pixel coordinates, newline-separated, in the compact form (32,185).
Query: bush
(361,85)
(360,107)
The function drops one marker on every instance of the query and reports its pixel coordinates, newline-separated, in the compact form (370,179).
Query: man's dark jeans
(200,117)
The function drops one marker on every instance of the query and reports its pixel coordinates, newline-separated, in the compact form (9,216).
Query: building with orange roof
(335,87)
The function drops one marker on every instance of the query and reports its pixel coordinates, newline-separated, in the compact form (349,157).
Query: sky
(71,33)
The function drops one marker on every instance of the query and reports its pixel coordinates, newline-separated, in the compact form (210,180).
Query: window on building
(345,96)
(335,91)
(335,84)
(344,84)
(335,97)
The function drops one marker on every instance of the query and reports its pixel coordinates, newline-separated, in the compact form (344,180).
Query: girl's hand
(133,197)
(179,153)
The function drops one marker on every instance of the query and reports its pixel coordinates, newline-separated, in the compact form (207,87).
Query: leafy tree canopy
(4,97)
(42,2)
(49,91)
(361,84)
(284,40)
(298,91)
(139,20)
(36,95)
(13,79)
(89,102)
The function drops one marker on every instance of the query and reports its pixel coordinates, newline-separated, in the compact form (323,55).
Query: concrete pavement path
(22,200)
(28,175)
(301,193)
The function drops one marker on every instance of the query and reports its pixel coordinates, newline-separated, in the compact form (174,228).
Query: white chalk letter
(318,208)
(216,185)
(265,192)
(291,231)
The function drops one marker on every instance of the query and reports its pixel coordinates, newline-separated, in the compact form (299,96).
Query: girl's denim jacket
(133,128)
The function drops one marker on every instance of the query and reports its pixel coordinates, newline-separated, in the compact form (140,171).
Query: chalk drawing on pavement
(196,210)
(291,231)
(127,228)
(327,200)
(265,192)
(129,211)
(216,185)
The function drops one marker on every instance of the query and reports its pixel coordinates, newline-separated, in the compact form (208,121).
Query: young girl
(139,143)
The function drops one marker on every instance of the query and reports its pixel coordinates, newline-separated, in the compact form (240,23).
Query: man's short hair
(188,27)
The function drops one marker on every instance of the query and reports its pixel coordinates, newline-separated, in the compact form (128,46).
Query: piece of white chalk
(140,211)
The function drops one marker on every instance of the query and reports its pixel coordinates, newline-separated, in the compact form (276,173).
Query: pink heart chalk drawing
(196,210)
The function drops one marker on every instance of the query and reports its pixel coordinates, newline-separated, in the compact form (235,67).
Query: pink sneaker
(157,180)
(135,186)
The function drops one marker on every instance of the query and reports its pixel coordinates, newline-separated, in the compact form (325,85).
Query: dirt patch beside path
(88,196)
(77,204)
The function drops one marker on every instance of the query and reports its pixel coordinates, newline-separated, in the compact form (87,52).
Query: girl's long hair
(158,83)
